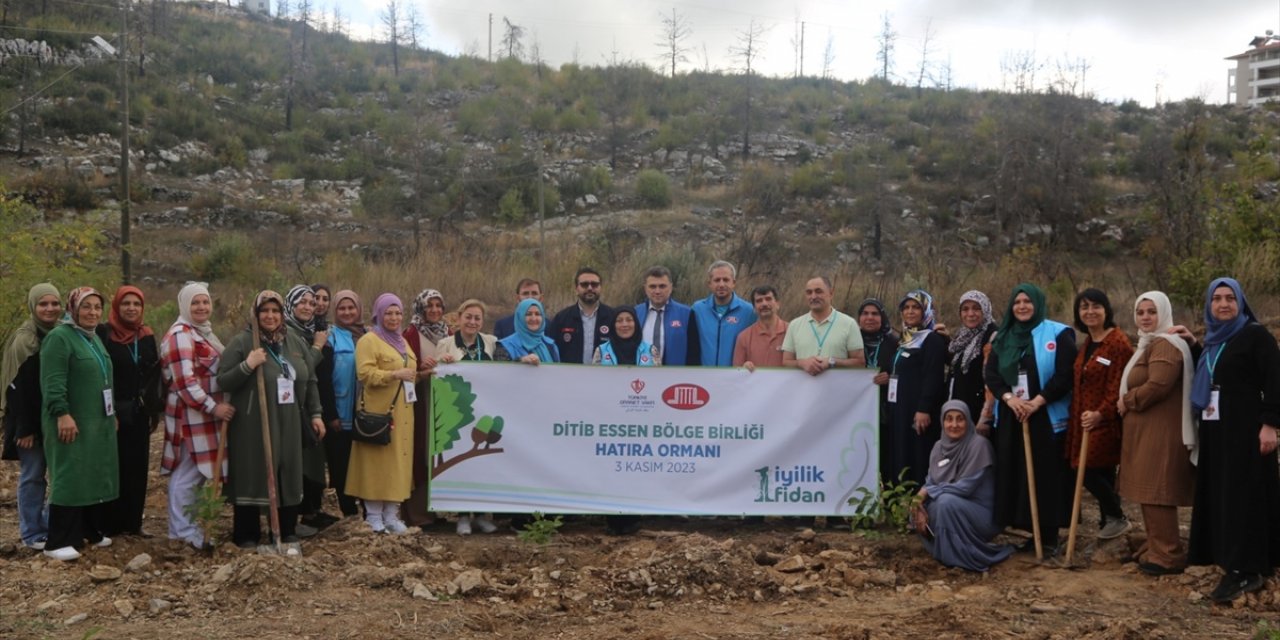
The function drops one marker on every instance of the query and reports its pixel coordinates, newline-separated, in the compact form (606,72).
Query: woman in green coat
(79,428)
(293,404)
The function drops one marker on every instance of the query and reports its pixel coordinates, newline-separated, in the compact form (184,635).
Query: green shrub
(511,206)
(588,180)
(653,189)
(810,181)
(229,259)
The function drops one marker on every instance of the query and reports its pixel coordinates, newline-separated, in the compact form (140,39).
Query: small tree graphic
(451,402)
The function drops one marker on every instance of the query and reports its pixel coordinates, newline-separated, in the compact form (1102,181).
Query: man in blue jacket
(579,328)
(721,316)
(666,324)
(527,288)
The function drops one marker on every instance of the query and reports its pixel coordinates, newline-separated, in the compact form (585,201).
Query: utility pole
(542,232)
(125,268)
(802,49)
(491,37)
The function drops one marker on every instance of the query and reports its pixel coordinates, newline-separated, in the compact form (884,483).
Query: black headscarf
(871,341)
(625,348)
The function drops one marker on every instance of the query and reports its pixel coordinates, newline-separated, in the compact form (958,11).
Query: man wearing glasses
(579,328)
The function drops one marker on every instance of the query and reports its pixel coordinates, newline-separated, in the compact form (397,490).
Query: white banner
(651,440)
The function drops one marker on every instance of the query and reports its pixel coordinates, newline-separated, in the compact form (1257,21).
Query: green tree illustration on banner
(451,410)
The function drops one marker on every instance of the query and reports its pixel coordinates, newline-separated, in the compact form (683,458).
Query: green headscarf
(26,340)
(1014,337)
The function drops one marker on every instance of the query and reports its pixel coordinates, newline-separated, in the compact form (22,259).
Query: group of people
(275,410)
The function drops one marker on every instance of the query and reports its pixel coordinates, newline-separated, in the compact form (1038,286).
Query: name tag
(109,402)
(410,391)
(1212,411)
(1103,361)
(944,462)
(284,390)
(1021,390)
(893,389)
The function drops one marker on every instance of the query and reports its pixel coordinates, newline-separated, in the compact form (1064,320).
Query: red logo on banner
(637,385)
(686,396)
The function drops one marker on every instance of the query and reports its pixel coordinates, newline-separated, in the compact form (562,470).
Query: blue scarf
(1215,339)
(534,342)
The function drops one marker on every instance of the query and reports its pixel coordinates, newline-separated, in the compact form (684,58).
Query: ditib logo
(637,385)
(685,396)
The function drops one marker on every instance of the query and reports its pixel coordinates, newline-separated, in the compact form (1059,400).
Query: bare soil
(701,578)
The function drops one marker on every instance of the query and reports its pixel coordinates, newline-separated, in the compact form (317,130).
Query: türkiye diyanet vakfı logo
(783,484)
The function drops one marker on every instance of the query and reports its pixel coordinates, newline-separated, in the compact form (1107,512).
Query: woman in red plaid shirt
(189,357)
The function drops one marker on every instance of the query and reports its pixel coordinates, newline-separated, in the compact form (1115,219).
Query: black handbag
(373,428)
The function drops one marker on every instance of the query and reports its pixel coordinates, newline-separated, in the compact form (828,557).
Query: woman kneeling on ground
(955,516)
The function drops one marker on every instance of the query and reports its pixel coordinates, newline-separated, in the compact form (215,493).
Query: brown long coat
(1096,388)
(1155,467)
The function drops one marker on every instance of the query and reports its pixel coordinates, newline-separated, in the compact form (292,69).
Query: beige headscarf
(1164,321)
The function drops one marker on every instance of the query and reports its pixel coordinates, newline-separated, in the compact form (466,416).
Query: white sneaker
(64,554)
(103,543)
(464,526)
(38,545)
(376,524)
(396,526)
(484,524)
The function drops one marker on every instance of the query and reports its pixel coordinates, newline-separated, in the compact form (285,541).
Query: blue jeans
(33,512)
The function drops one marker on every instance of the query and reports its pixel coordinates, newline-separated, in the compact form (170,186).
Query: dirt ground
(702,578)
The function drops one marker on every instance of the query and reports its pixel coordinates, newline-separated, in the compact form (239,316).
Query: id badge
(893,389)
(1021,391)
(109,401)
(1212,410)
(284,390)
(410,391)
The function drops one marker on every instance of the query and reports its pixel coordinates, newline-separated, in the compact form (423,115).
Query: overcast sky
(1139,49)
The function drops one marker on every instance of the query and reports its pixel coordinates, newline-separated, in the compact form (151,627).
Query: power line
(39,91)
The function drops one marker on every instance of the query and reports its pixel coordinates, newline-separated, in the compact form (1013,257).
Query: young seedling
(541,530)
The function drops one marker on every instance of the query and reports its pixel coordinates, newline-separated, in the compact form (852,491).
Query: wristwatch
(831,361)
(1007,396)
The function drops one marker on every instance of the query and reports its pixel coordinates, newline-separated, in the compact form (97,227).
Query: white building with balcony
(1256,78)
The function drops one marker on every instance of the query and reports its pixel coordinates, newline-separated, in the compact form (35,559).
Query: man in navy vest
(721,316)
(579,328)
(666,324)
(527,288)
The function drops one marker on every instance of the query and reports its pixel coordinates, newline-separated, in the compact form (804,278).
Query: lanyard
(285,369)
(895,360)
(813,326)
(106,380)
(875,357)
(133,350)
(1213,361)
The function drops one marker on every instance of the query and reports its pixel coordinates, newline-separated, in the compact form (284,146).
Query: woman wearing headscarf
(135,363)
(427,330)
(1158,451)
(1029,369)
(301,318)
(21,404)
(916,371)
(1235,523)
(338,396)
(967,352)
(469,345)
(382,475)
(955,514)
(323,298)
(529,344)
(79,428)
(878,344)
(627,346)
(1097,375)
(293,404)
(190,353)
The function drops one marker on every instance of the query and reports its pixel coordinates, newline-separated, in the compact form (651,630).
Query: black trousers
(1101,482)
(133,443)
(75,526)
(246,523)
(337,453)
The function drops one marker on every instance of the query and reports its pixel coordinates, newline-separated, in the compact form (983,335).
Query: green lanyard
(102,364)
(133,350)
(1213,361)
(813,326)
(285,368)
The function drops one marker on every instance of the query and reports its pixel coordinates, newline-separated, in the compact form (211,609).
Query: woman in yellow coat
(382,475)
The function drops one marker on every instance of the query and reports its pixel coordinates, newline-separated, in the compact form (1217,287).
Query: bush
(653,189)
(588,180)
(228,259)
(810,181)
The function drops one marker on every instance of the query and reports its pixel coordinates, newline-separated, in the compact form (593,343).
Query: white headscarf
(1164,321)
(205,329)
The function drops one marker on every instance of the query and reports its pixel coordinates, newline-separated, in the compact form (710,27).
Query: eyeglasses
(589,285)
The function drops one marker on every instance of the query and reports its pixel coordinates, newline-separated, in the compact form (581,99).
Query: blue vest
(675,342)
(1046,362)
(717,334)
(516,349)
(344,374)
(644,355)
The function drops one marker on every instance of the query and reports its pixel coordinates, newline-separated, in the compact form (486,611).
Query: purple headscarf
(380,306)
